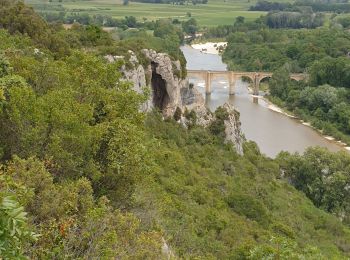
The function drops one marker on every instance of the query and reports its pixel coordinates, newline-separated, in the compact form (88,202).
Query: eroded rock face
(166,85)
(233,130)
(161,98)
(162,76)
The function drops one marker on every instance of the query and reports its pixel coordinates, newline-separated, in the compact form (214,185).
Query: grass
(216,12)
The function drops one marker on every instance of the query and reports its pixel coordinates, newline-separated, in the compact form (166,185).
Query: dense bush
(248,206)
(323,177)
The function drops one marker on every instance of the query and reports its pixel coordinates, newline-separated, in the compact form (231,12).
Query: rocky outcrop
(162,76)
(233,131)
(166,251)
(168,87)
(169,91)
(135,74)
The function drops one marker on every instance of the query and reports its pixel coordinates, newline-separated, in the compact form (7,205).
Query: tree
(320,175)
(190,26)
(130,21)
(280,83)
(177,114)
(333,71)
(239,20)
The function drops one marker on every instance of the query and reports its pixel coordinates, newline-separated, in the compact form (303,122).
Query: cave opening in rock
(160,94)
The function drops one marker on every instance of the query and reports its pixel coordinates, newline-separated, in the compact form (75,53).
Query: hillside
(85,174)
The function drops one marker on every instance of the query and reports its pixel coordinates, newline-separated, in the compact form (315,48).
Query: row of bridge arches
(254,77)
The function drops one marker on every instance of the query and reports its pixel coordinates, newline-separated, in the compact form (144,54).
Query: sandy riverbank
(277,109)
(209,47)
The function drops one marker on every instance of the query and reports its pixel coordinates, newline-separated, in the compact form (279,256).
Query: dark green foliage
(217,126)
(80,135)
(270,6)
(190,26)
(294,20)
(191,116)
(332,71)
(248,206)
(177,114)
(69,114)
(323,176)
(4,66)
(344,21)
(296,50)
(338,6)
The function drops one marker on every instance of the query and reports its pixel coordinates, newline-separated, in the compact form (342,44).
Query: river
(272,131)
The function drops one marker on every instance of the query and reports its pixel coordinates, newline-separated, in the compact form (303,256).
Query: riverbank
(274,107)
(270,105)
(262,122)
(210,47)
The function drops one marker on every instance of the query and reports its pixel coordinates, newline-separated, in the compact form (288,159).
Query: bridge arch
(263,78)
(245,78)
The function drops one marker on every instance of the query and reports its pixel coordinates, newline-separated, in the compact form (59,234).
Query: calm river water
(272,131)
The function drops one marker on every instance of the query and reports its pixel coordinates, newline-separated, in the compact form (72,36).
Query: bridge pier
(208,83)
(256,84)
(231,82)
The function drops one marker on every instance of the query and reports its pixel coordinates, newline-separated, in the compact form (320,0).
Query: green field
(216,12)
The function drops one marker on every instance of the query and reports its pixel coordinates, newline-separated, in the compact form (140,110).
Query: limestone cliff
(169,91)
(162,76)
(233,131)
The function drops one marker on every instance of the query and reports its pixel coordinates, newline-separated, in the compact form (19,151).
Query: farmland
(216,12)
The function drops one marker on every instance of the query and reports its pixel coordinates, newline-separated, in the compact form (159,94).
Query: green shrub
(248,206)
(177,114)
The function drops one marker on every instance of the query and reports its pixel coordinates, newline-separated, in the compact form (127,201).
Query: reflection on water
(272,131)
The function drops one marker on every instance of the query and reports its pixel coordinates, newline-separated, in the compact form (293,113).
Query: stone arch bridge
(232,76)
